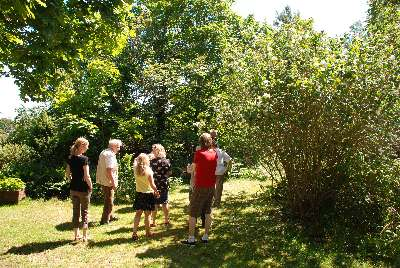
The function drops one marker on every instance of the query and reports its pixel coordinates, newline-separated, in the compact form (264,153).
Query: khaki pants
(80,208)
(219,185)
(108,203)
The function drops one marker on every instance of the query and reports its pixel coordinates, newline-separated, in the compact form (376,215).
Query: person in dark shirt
(161,168)
(80,185)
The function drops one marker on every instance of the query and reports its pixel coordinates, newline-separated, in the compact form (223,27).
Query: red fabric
(206,163)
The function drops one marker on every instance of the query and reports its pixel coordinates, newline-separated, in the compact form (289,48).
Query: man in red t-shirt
(204,165)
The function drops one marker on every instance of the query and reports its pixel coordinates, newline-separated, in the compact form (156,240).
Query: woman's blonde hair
(142,164)
(77,144)
(158,150)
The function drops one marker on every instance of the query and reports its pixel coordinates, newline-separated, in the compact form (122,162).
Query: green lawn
(244,233)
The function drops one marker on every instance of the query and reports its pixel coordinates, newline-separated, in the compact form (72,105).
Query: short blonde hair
(159,150)
(142,164)
(114,142)
(77,144)
(205,141)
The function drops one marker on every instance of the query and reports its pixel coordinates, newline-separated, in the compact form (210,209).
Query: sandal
(135,237)
(153,225)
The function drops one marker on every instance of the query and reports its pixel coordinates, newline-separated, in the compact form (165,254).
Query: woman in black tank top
(80,185)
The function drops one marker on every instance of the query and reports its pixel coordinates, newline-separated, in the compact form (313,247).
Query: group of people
(151,172)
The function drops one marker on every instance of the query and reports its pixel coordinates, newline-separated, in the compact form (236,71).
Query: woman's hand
(156,194)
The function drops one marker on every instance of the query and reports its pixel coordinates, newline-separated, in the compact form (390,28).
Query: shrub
(11,184)
(13,156)
(126,180)
(324,109)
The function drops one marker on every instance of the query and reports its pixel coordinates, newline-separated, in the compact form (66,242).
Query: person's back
(206,163)
(142,182)
(107,159)
(76,163)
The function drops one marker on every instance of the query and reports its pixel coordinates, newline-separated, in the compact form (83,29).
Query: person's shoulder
(149,171)
(108,153)
(84,158)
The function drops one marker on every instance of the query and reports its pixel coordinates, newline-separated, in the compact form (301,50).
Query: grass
(244,234)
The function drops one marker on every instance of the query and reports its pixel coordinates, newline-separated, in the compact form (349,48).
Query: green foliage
(173,66)
(320,112)
(13,155)
(37,148)
(11,184)
(126,180)
(45,44)
(6,126)
(320,116)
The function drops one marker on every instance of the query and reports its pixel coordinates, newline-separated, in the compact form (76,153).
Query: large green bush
(321,113)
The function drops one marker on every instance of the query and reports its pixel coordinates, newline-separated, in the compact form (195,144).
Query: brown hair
(205,141)
(77,144)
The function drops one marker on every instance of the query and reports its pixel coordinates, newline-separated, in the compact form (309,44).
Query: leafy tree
(173,67)
(45,42)
(320,114)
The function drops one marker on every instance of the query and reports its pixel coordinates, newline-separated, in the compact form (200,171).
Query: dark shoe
(186,242)
(135,237)
(153,225)
(112,218)
(104,222)
(204,240)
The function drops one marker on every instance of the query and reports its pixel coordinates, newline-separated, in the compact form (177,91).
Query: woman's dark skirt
(163,197)
(144,201)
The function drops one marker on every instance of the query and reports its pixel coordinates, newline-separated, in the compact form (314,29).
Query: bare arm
(86,177)
(110,177)
(68,172)
(194,170)
(153,186)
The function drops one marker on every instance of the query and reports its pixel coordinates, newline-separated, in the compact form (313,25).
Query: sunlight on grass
(39,233)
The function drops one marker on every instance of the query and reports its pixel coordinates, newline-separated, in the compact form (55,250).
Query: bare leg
(85,234)
(192,224)
(153,216)
(165,208)
(136,220)
(76,233)
(147,222)
(208,224)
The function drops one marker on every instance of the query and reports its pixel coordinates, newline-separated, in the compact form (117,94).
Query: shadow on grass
(120,230)
(158,235)
(110,242)
(124,210)
(245,234)
(67,226)
(37,247)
